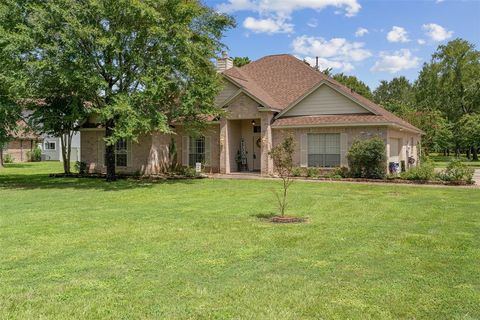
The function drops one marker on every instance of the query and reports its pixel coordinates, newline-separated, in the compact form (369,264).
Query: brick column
(224,150)
(267,163)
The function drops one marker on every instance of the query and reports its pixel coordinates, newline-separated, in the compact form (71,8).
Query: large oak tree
(141,64)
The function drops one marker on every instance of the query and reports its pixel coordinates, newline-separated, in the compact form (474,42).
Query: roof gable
(229,89)
(280,81)
(324,100)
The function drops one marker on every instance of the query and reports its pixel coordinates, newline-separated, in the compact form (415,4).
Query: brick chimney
(224,62)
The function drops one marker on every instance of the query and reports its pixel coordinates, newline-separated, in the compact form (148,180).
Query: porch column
(267,162)
(224,150)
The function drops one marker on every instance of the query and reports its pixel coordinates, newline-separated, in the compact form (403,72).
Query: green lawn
(442,161)
(82,248)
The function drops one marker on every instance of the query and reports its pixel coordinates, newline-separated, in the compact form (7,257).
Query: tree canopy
(395,95)
(354,84)
(141,64)
(241,61)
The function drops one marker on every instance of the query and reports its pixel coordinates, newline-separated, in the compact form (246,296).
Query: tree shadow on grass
(18,165)
(263,215)
(44,181)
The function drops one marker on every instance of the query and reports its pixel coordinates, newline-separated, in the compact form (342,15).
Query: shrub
(342,172)
(296,172)
(423,172)
(81,167)
(312,172)
(188,172)
(35,155)
(367,159)
(457,171)
(7,158)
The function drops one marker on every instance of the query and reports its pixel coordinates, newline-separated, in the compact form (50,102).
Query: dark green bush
(367,159)
(35,155)
(457,171)
(296,172)
(423,172)
(312,172)
(7,158)
(338,173)
(81,167)
(188,172)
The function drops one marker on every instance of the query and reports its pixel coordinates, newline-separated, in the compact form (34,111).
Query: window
(50,145)
(324,150)
(257,129)
(196,151)
(121,153)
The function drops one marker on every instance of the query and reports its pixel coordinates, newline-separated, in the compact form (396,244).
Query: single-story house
(21,143)
(265,101)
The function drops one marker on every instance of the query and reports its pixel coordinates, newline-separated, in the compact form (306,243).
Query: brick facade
(19,149)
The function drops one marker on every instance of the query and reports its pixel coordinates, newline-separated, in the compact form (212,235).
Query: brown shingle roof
(24,132)
(279,81)
(329,119)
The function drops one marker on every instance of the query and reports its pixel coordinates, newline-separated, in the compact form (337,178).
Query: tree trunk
(468,153)
(66,141)
(1,157)
(475,154)
(110,152)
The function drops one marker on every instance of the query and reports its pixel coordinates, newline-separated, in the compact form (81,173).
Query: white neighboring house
(52,148)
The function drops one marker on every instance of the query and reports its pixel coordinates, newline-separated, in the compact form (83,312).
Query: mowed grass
(442,161)
(86,249)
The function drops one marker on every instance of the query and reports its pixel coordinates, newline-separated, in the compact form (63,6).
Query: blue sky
(374,40)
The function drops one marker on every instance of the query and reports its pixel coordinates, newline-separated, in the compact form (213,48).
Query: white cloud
(439,1)
(337,53)
(268,25)
(399,60)
(361,32)
(421,41)
(436,32)
(286,7)
(275,14)
(312,23)
(325,64)
(397,34)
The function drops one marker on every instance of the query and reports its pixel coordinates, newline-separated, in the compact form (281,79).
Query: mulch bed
(394,181)
(123,176)
(287,219)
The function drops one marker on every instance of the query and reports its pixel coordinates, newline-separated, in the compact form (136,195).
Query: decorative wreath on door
(259,142)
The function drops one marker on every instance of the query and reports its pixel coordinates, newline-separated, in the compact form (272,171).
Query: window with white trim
(323,150)
(50,145)
(196,150)
(121,153)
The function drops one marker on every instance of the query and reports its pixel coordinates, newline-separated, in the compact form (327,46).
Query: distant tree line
(444,101)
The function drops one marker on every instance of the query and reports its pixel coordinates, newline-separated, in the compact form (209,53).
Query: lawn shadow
(44,181)
(17,165)
(263,215)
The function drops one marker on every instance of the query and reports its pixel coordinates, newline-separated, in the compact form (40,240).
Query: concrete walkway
(476,177)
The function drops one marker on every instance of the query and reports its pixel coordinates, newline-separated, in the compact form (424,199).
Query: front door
(257,151)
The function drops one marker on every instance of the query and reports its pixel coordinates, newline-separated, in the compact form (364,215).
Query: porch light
(253,122)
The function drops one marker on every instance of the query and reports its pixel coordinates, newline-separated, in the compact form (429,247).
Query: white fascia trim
(324,82)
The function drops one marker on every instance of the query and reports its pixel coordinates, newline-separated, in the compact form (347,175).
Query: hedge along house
(265,101)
